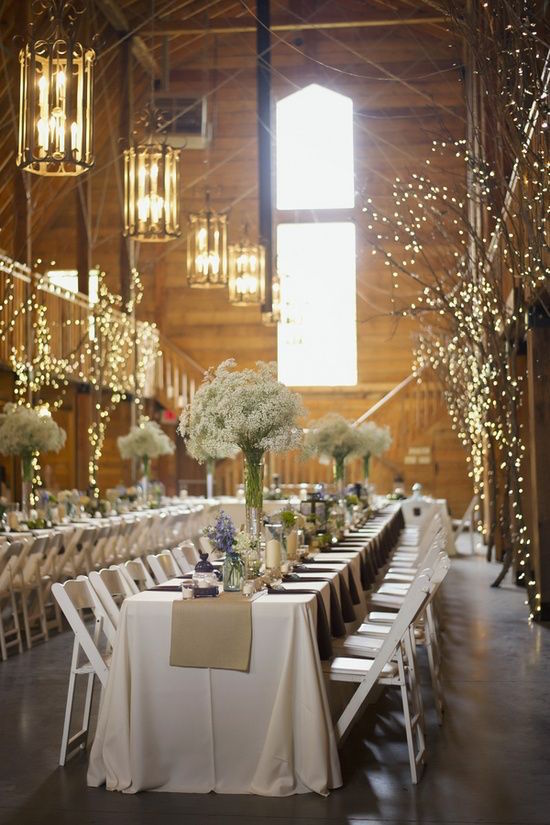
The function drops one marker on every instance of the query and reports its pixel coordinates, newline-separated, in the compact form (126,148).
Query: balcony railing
(69,325)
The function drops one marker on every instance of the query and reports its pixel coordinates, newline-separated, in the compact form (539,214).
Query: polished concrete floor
(489,763)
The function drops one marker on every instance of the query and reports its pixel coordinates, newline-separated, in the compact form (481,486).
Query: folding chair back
(163,566)
(111,588)
(137,575)
(186,556)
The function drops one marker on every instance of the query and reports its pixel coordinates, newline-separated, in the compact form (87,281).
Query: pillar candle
(273,554)
(292,545)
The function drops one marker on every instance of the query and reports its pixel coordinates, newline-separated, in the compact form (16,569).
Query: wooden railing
(171,375)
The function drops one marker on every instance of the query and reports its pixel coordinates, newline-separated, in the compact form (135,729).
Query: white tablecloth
(265,732)
(235,508)
(428,507)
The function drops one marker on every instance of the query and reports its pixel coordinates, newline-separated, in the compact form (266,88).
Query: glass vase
(26,485)
(366,463)
(145,479)
(210,467)
(233,573)
(253,496)
(339,472)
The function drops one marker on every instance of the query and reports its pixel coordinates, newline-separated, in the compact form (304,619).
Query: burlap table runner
(213,633)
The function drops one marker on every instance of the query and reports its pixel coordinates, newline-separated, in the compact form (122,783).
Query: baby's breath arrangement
(26,431)
(333,437)
(145,441)
(375,440)
(247,410)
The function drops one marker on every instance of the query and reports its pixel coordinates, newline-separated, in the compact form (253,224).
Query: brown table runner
(212,632)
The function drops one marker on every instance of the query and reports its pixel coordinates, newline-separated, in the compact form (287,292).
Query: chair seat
(358,645)
(395,575)
(393,588)
(379,617)
(355,670)
(386,600)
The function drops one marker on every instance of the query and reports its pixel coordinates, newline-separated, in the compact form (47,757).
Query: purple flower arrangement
(222,533)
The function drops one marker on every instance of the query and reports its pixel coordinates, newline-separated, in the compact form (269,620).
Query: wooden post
(263,87)
(83,233)
(538,360)
(83,419)
(125,128)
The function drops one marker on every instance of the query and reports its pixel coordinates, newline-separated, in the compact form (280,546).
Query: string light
(465,247)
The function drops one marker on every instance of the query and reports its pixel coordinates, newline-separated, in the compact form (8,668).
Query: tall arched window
(317,340)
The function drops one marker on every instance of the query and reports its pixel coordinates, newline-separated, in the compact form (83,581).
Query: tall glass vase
(339,472)
(253,495)
(210,467)
(26,484)
(366,463)
(145,479)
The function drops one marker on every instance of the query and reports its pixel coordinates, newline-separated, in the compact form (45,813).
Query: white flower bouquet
(333,437)
(248,410)
(26,431)
(145,441)
(375,440)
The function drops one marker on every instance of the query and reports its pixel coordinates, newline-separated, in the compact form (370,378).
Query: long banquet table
(268,731)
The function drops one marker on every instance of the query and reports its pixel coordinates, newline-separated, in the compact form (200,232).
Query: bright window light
(317,342)
(68,279)
(315,150)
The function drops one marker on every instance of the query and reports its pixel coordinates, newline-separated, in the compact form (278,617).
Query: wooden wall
(395,123)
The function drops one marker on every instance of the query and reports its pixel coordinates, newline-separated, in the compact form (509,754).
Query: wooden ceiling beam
(117,19)
(173,28)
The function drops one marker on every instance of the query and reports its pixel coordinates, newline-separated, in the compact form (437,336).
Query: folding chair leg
(26,623)
(350,714)
(3,646)
(70,744)
(413,724)
(16,623)
(68,708)
(432,650)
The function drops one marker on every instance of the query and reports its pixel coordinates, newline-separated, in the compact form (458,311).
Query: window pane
(315,150)
(317,341)
(68,279)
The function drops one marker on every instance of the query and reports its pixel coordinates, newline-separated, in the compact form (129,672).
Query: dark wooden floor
(490,763)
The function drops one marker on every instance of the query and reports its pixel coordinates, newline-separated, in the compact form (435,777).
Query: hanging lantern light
(56,97)
(207,248)
(246,272)
(152,184)
(274,317)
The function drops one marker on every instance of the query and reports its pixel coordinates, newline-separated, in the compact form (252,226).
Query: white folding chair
(73,597)
(11,557)
(28,585)
(394,664)
(163,566)
(137,575)
(111,588)
(186,556)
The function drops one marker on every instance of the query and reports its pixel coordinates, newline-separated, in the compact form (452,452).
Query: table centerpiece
(27,432)
(145,441)
(335,439)
(247,410)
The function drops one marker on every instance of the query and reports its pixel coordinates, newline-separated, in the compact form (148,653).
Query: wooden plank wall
(394,127)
